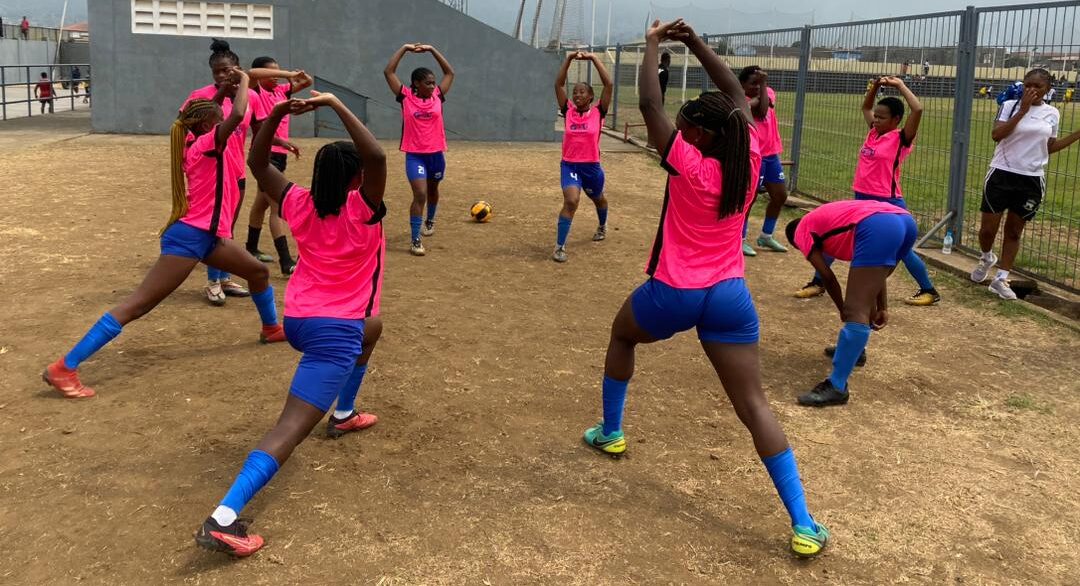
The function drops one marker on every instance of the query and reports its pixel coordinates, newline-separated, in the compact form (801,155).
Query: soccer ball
(481,211)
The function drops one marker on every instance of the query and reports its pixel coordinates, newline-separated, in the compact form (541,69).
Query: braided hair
(220,50)
(194,113)
(717,113)
(336,165)
(418,76)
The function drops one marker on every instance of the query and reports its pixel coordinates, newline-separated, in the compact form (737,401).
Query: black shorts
(279,161)
(1019,194)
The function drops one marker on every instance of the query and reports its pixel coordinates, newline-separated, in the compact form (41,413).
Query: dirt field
(955,462)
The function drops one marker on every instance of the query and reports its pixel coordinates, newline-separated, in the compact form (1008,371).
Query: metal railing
(955,62)
(18,82)
(40,33)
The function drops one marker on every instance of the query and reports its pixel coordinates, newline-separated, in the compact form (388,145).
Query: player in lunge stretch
(331,302)
(877,174)
(204,197)
(580,167)
(874,236)
(755,83)
(423,136)
(696,267)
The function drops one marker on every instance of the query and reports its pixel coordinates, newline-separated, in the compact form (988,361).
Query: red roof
(79,27)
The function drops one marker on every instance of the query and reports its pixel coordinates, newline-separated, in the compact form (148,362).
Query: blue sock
(849,346)
(258,469)
(785,476)
(264,302)
(769,226)
(414,224)
(346,400)
(601,213)
(213,274)
(102,332)
(431,207)
(564,230)
(917,268)
(614,402)
(746,227)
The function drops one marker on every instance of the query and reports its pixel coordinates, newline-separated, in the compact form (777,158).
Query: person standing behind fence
(877,174)
(665,74)
(45,92)
(24,27)
(755,82)
(1026,133)
(580,167)
(76,79)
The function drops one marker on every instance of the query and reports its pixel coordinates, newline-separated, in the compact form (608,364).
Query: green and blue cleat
(808,543)
(614,444)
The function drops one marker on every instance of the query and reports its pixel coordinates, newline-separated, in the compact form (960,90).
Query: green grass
(1025,402)
(834,130)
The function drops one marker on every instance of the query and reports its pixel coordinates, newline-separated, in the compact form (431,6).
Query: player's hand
(880,319)
(763,77)
(660,31)
(292,148)
(583,56)
(682,32)
(424,48)
(320,99)
(1029,98)
(409,47)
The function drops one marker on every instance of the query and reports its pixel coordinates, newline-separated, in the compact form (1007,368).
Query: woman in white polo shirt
(1026,133)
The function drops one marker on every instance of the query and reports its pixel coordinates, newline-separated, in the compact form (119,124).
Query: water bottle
(946,244)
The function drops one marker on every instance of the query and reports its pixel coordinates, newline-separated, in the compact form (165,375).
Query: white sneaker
(601,233)
(428,229)
(1002,288)
(560,254)
(982,270)
(214,293)
(417,248)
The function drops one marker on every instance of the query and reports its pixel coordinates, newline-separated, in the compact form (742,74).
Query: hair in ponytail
(220,50)
(194,113)
(717,113)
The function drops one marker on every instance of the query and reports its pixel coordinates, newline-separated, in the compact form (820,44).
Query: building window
(202,19)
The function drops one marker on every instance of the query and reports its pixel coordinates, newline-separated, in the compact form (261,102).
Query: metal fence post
(704,76)
(3,91)
(800,105)
(618,76)
(588,70)
(962,111)
(29,94)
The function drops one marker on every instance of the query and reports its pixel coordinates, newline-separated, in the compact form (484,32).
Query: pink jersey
(694,247)
(422,131)
(581,141)
(878,170)
(831,227)
(268,100)
(340,273)
(212,195)
(235,155)
(769,130)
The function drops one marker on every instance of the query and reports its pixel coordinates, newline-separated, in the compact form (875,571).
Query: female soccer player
(329,303)
(581,170)
(755,83)
(877,174)
(423,137)
(270,94)
(696,268)
(1026,133)
(873,235)
(205,197)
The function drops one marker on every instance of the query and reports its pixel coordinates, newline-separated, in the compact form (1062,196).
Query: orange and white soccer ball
(481,211)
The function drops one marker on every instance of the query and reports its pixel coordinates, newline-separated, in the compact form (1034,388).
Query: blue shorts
(722,313)
(881,240)
(896,201)
(430,166)
(331,347)
(187,241)
(772,170)
(588,177)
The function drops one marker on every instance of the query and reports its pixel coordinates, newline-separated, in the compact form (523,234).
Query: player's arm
(560,80)
(605,78)
(300,82)
(718,71)
(1002,129)
(447,71)
(371,154)
(880,317)
(650,101)
(1055,144)
(868,101)
(271,181)
(911,125)
(390,73)
(761,104)
(828,278)
(239,82)
(258,74)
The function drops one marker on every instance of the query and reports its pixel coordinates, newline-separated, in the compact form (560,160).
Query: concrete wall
(16,52)
(502,91)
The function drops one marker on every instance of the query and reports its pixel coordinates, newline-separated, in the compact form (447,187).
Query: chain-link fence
(955,62)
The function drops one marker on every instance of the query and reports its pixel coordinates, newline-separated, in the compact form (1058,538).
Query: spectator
(76,79)
(1,27)
(905,68)
(43,91)
(926,69)
(665,67)
(25,28)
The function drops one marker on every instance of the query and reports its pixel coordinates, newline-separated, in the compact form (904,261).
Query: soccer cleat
(358,420)
(560,254)
(233,289)
(601,233)
(811,289)
(924,297)
(66,380)
(831,350)
(823,395)
(806,542)
(417,248)
(233,539)
(214,293)
(982,270)
(610,444)
(288,267)
(428,228)
(748,250)
(1002,289)
(261,256)
(770,243)
(272,334)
